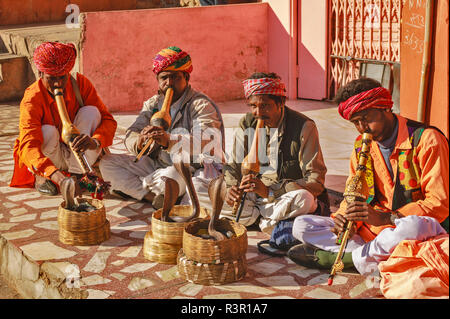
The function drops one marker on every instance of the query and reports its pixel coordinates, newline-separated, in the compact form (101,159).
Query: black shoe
(305,255)
(158,201)
(46,187)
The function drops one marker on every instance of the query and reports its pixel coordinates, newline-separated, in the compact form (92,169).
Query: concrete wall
(37,11)
(313,49)
(226,43)
(411,54)
(281,40)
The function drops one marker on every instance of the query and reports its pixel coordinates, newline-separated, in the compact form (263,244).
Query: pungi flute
(250,164)
(352,192)
(161,119)
(69,131)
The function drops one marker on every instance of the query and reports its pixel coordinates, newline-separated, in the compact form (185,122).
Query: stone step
(17,45)
(15,76)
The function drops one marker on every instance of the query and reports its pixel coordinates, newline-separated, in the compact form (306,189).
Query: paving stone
(7,226)
(95,280)
(23,218)
(323,280)
(122,212)
(25,196)
(46,251)
(246,288)
(169,274)
(132,251)
(138,234)
(45,203)
(18,211)
(303,272)
(190,289)
(98,262)
(280,282)
(97,294)
(118,262)
(223,296)
(138,283)
(138,267)
(113,242)
(50,214)
(118,276)
(50,225)
(19,234)
(9,205)
(266,267)
(320,293)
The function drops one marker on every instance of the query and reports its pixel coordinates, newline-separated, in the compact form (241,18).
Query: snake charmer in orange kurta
(37,108)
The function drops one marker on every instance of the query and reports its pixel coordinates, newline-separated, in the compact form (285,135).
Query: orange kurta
(38,108)
(432,155)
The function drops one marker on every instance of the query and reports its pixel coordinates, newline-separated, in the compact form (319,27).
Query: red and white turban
(264,86)
(55,58)
(377,98)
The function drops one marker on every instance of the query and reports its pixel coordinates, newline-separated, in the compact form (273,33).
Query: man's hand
(83,142)
(250,183)
(339,225)
(232,195)
(153,132)
(361,211)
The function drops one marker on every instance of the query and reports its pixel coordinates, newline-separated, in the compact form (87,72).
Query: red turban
(377,98)
(264,86)
(55,58)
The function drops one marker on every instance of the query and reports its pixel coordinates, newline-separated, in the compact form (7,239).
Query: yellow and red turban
(377,98)
(172,59)
(55,58)
(264,86)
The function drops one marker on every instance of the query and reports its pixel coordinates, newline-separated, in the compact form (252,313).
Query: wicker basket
(211,274)
(210,251)
(171,232)
(162,253)
(83,228)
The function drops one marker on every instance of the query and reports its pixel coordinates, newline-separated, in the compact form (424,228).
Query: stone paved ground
(117,268)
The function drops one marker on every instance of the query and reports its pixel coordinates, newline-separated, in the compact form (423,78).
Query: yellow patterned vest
(407,186)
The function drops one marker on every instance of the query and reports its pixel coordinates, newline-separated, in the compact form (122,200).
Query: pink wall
(282,49)
(312,50)
(226,43)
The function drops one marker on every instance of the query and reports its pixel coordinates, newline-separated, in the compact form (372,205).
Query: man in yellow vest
(406,186)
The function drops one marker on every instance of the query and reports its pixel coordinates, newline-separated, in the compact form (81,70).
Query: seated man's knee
(305,199)
(300,226)
(417,227)
(90,111)
(51,138)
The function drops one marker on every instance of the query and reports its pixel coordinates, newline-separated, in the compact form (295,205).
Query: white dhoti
(316,230)
(86,121)
(288,205)
(148,175)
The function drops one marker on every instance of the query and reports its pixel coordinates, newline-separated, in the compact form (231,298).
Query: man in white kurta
(196,127)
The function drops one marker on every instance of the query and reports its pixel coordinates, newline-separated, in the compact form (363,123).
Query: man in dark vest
(405,186)
(292,169)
